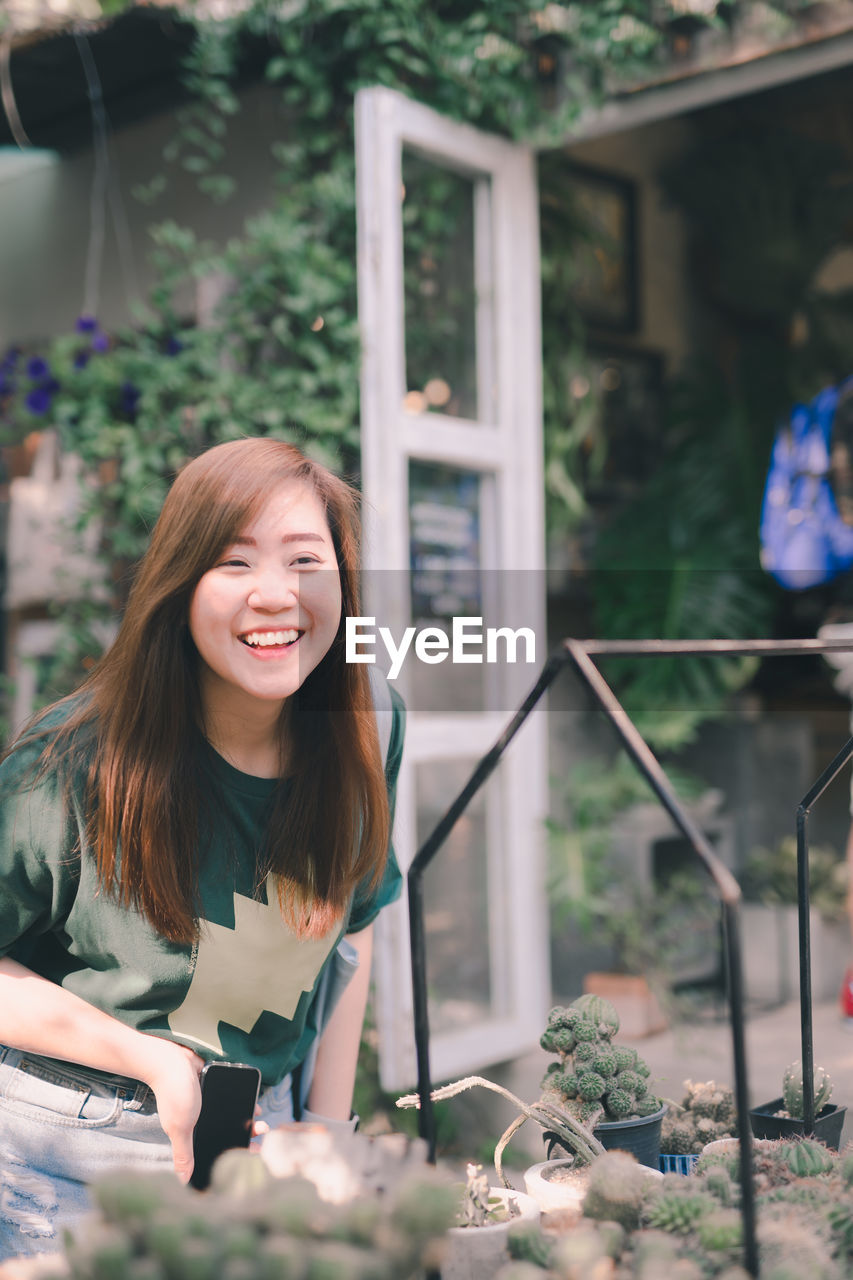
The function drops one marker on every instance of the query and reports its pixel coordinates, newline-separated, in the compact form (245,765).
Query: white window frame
(505,447)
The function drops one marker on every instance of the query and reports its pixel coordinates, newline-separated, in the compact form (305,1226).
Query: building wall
(45,215)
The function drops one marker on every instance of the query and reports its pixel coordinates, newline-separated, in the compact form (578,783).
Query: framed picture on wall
(628,383)
(605,286)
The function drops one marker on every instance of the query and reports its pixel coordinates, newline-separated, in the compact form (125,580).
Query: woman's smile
(268,612)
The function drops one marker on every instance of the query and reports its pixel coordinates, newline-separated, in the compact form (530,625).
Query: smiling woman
(204,746)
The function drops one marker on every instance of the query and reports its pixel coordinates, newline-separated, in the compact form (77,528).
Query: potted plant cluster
(595,1097)
(706,1113)
(690,1227)
(783,1116)
(477,1244)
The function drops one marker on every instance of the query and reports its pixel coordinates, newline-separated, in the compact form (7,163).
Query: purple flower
(100,342)
(10,360)
(173,346)
(81,359)
(86,324)
(130,396)
(37,368)
(38,400)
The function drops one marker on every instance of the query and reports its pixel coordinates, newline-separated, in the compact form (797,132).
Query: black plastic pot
(827,1126)
(640,1136)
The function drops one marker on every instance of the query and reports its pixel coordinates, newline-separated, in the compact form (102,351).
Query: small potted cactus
(601,1084)
(594,1097)
(707,1113)
(783,1117)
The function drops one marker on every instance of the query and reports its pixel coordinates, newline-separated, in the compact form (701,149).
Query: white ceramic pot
(541,1181)
(477,1253)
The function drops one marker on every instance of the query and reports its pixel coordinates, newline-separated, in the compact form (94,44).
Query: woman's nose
(274,589)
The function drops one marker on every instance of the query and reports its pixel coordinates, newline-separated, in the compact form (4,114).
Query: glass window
(456,900)
(440,289)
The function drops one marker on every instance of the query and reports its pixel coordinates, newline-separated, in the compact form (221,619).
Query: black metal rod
(804,923)
(580,652)
(414,881)
(729,892)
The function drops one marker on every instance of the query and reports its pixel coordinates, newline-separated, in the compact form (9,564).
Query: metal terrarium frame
(580,654)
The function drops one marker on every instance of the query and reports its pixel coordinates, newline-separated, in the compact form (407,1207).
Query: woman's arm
(41,1017)
(337,1054)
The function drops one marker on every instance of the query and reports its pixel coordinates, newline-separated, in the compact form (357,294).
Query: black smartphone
(229,1095)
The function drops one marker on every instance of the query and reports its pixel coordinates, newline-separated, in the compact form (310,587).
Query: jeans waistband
(129,1084)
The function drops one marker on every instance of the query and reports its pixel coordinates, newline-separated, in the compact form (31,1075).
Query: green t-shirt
(243,993)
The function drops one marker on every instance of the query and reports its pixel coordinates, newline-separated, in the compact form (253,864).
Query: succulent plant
(707,1111)
(150,1227)
(792,1090)
(678,1211)
(808,1158)
(617,1188)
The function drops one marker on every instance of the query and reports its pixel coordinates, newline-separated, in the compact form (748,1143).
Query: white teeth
(266,639)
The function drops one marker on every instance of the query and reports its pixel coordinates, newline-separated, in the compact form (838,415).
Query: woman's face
(267,612)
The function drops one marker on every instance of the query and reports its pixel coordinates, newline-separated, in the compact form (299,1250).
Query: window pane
(456,897)
(445,532)
(440,289)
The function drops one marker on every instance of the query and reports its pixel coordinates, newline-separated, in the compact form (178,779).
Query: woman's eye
(234,561)
(306,560)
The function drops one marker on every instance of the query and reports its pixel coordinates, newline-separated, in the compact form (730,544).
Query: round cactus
(626,1057)
(619,1103)
(591,1086)
(806,1159)
(585,1055)
(586,1031)
(604,1062)
(600,1011)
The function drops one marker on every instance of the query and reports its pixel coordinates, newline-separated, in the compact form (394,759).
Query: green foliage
(770,876)
(647,927)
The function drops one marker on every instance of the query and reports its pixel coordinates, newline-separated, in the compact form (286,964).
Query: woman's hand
(172,1072)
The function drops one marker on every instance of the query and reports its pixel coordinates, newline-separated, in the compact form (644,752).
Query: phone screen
(229,1094)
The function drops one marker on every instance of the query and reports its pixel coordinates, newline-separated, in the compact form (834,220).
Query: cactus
(579,1254)
(600,1012)
(604,1063)
(679,1213)
(707,1111)
(720,1230)
(617,1187)
(792,1090)
(808,1158)
(718,1183)
(526,1242)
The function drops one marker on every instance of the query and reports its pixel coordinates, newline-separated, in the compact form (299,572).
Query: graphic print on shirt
(259,966)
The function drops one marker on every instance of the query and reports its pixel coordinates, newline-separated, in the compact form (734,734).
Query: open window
(448,281)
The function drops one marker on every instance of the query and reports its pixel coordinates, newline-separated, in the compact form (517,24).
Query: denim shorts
(63,1126)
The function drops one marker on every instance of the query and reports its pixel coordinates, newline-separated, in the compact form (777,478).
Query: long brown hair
(141,705)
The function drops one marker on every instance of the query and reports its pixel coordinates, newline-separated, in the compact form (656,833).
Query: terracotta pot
(638,1007)
(477,1253)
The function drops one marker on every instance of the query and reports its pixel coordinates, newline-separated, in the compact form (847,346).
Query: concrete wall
(45,216)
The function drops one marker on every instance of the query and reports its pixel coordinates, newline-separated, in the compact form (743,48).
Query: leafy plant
(648,927)
(770,876)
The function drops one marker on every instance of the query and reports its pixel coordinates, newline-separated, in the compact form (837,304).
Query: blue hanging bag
(804,541)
